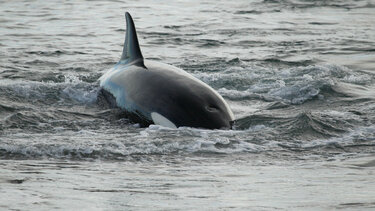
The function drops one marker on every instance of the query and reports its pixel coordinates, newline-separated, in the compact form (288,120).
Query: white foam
(161,140)
(294,85)
(81,94)
(71,88)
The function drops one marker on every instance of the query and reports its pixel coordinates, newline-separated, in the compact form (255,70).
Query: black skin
(107,100)
(160,88)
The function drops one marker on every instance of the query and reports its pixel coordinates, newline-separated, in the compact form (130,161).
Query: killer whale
(150,92)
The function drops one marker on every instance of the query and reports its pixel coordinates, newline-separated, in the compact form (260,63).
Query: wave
(44,106)
(305,125)
(302,4)
(295,85)
(71,89)
(158,141)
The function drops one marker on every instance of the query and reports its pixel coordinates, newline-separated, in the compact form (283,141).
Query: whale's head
(190,112)
(184,100)
(211,115)
(207,109)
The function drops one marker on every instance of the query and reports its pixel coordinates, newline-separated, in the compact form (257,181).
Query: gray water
(299,76)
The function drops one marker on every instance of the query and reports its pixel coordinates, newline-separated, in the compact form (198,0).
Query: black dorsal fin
(131,52)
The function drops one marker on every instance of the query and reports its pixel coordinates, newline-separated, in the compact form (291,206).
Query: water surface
(298,75)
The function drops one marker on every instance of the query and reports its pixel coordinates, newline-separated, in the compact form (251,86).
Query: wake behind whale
(150,92)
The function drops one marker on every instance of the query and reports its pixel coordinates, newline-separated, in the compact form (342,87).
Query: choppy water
(298,75)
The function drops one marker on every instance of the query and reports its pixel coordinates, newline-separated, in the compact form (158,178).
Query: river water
(299,76)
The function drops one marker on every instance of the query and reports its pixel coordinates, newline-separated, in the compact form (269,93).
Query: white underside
(161,120)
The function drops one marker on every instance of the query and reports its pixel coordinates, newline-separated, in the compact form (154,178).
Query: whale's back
(170,92)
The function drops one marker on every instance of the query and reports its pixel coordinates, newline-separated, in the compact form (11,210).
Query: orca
(150,92)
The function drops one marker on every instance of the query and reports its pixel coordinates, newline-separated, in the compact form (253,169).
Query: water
(298,75)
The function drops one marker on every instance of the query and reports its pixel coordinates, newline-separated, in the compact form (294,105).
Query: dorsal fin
(132,51)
